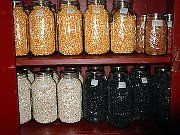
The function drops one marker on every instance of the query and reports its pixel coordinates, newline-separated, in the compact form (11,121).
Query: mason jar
(95,96)
(24,96)
(42,28)
(123,27)
(20,28)
(96,27)
(44,98)
(69,91)
(156,34)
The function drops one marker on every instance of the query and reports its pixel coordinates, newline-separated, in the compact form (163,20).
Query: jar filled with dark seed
(119,113)
(161,84)
(141,96)
(95,96)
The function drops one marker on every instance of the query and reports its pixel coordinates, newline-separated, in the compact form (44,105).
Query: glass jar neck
(69,4)
(156,16)
(18,4)
(122,4)
(41,3)
(96,2)
(69,75)
(43,76)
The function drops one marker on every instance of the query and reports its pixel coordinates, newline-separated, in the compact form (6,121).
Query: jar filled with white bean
(44,98)
(69,91)
(24,95)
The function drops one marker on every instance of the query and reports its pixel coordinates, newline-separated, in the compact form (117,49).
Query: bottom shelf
(84,127)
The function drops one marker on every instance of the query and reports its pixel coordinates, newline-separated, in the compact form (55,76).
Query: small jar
(44,98)
(95,96)
(69,91)
(96,26)
(29,71)
(123,27)
(24,96)
(156,34)
(20,28)
(42,28)
(140,31)
(69,20)
(141,93)
(170,33)
(119,113)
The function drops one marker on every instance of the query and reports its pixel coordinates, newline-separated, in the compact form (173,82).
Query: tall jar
(96,25)
(156,34)
(141,93)
(69,20)
(140,39)
(69,91)
(24,96)
(44,98)
(170,33)
(20,28)
(119,113)
(95,96)
(42,28)
(123,27)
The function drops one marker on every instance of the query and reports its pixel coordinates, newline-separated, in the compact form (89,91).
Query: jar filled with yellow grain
(96,24)
(140,30)
(123,27)
(42,28)
(69,21)
(170,33)
(20,28)
(156,34)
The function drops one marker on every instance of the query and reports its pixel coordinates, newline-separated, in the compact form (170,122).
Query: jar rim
(41,2)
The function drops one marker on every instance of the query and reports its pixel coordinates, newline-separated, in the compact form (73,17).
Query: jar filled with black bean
(140,86)
(95,96)
(119,113)
(161,84)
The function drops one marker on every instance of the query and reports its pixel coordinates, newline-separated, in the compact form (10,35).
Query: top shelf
(84,59)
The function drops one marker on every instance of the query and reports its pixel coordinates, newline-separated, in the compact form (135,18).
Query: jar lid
(72,68)
(97,2)
(17,3)
(155,15)
(69,73)
(41,2)
(47,69)
(42,73)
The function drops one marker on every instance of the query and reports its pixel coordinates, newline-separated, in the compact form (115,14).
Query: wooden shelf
(84,59)
(84,127)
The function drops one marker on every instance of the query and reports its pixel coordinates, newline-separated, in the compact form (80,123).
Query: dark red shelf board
(85,59)
(84,128)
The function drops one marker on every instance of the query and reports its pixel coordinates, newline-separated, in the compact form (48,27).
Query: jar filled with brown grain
(140,30)
(170,33)
(69,91)
(20,28)
(44,98)
(156,34)
(69,21)
(42,28)
(96,25)
(123,27)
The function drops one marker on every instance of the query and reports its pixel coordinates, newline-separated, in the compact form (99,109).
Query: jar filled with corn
(69,21)
(96,20)
(42,28)
(20,28)
(123,27)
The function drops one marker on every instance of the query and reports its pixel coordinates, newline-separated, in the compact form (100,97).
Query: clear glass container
(123,27)
(42,28)
(95,96)
(170,33)
(96,27)
(156,34)
(44,98)
(69,91)
(140,39)
(119,113)
(29,71)
(24,96)
(69,21)
(20,28)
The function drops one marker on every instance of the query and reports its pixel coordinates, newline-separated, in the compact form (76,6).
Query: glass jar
(70,28)
(123,27)
(162,89)
(95,96)
(44,98)
(141,94)
(170,33)
(52,70)
(119,113)
(24,96)
(96,25)
(140,39)
(30,74)
(42,28)
(156,34)
(69,91)
(20,28)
